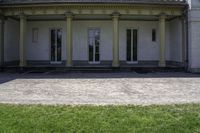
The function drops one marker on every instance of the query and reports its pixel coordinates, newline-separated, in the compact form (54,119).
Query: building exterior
(194,36)
(100,33)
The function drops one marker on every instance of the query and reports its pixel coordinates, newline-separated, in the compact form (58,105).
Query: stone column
(22,43)
(162,27)
(2,22)
(69,42)
(115,18)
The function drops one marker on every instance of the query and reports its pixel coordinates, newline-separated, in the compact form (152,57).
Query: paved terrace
(100,88)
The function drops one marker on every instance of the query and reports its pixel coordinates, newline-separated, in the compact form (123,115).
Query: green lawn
(100,119)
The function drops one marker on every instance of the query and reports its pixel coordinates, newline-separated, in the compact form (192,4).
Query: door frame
(132,28)
(94,62)
(55,28)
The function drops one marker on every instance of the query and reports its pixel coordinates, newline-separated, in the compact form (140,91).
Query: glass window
(128,48)
(94,44)
(134,45)
(53,45)
(154,35)
(91,49)
(59,44)
(131,48)
(56,45)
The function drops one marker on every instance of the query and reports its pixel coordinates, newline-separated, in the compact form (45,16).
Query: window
(35,35)
(153,35)
(56,45)
(132,44)
(94,45)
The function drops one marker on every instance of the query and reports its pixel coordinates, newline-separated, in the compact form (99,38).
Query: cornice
(96,5)
(94,9)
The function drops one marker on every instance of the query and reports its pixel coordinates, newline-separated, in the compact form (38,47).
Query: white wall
(194,36)
(194,45)
(11,44)
(80,38)
(41,49)
(176,40)
(147,50)
(194,3)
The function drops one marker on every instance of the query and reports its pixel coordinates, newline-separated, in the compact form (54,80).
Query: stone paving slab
(100,88)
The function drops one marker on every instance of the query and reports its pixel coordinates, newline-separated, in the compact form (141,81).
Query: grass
(100,119)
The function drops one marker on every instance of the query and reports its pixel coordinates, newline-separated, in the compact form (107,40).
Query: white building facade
(92,33)
(194,36)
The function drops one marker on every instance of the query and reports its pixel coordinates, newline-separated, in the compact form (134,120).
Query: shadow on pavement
(8,76)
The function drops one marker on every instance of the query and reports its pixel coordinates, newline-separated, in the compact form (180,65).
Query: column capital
(115,15)
(22,15)
(69,14)
(162,16)
(2,17)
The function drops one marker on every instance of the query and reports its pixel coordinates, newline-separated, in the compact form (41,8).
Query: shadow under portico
(8,76)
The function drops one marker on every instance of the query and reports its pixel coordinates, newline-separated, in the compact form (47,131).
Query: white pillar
(2,22)
(69,42)
(115,40)
(162,27)
(22,43)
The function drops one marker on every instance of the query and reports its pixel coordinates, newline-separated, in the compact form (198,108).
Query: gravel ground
(100,88)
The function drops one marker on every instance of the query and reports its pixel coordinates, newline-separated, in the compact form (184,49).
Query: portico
(118,27)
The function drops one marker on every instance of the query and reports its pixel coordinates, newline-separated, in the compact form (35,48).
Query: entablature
(94,9)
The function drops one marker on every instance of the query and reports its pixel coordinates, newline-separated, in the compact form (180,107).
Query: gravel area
(100,88)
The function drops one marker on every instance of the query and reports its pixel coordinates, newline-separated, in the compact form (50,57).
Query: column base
(22,64)
(69,64)
(162,64)
(1,64)
(115,64)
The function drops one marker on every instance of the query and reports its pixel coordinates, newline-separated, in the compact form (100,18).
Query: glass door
(94,45)
(132,42)
(56,45)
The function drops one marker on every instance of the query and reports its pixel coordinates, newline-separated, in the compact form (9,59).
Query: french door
(94,45)
(56,45)
(132,44)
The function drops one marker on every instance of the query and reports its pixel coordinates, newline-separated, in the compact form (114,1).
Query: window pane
(97,34)
(153,35)
(53,45)
(97,43)
(97,53)
(90,49)
(134,45)
(128,48)
(94,44)
(97,57)
(59,42)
